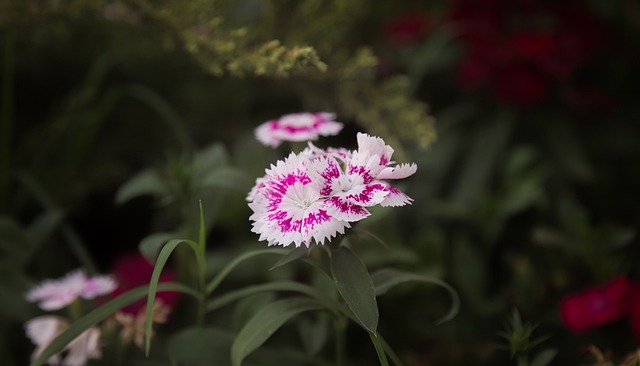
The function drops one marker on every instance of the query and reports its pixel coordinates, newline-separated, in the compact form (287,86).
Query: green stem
(6,119)
(340,327)
(382,356)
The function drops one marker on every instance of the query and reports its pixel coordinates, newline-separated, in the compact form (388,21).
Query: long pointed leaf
(265,322)
(355,286)
(385,279)
(213,284)
(232,296)
(101,313)
(155,278)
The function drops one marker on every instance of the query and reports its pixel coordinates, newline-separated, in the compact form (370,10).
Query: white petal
(395,198)
(343,210)
(398,172)
(97,286)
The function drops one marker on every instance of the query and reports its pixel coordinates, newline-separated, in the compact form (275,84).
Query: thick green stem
(340,327)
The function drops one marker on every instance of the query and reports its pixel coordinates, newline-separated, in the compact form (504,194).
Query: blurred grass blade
(356,287)
(213,284)
(101,313)
(266,322)
(77,247)
(155,278)
(152,99)
(385,279)
(151,245)
(6,115)
(147,182)
(544,358)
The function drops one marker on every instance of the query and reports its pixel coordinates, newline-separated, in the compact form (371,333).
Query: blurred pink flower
(133,270)
(297,127)
(44,329)
(56,294)
(596,306)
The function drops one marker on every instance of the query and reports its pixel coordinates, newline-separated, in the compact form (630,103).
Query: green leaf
(147,182)
(226,177)
(43,226)
(155,278)
(200,347)
(379,346)
(152,244)
(292,256)
(385,279)
(213,284)
(355,286)
(14,241)
(266,322)
(292,286)
(209,159)
(544,358)
(99,314)
(314,334)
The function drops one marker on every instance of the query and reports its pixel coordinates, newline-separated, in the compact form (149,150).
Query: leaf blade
(385,279)
(265,322)
(356,287)
(100,314)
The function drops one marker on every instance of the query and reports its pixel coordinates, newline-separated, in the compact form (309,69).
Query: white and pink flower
(316,194)
(56,294)
(44,329)
(297,127)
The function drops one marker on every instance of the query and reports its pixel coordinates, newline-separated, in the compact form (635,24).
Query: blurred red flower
(133,270)
(407,28)
(598,306)
(520,48)
(634,309)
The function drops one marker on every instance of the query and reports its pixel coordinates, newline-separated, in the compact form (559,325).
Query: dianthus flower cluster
(57,294)
(297,127)
(315,195)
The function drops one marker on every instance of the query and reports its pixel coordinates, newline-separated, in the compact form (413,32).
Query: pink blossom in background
(43,330)
(596,306)
(316,194)
(133,270)
(297,127)
(56,294)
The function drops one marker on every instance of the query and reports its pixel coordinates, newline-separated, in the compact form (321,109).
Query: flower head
(297,127)
(594,307)
(289,208)
(56,294)
(43,330)
(317,193)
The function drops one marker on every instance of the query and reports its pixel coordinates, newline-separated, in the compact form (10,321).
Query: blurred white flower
(56,294)
(297,127)
(43,330)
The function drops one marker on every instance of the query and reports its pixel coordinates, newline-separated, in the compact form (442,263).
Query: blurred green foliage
(118,116)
